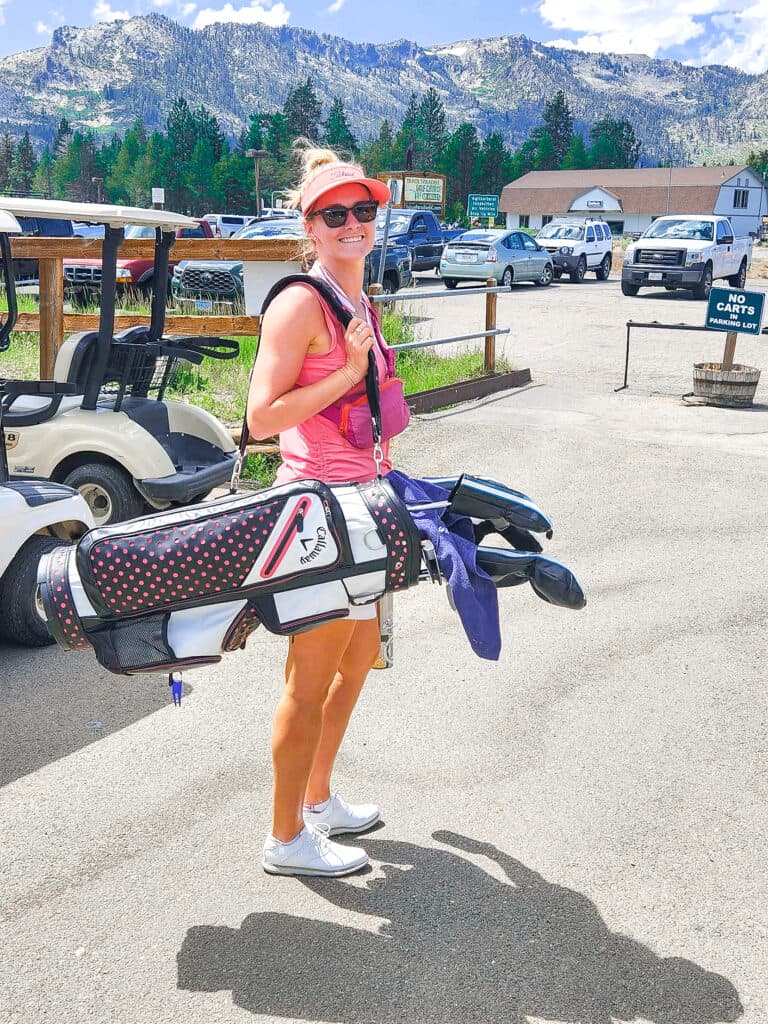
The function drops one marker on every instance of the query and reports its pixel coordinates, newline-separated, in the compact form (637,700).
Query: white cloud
(335,7)
(103,12)
(42,29)
(187,9)
(276,15)
(712,31)
(162,3)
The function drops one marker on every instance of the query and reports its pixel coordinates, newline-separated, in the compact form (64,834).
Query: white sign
(595,204)
(158,196)
(423,190)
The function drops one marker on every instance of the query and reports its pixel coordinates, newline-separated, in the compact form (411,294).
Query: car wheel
(108,491)
(389,284)
(507,277)
(629,289)
(604,269)
(577,274)
(450,282)
(740,279)
(704,287)
(21,615)
(546,276)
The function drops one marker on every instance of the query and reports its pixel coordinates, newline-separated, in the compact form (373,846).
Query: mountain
(105,76)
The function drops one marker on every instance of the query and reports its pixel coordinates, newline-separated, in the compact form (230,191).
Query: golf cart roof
(98,213)
(8,224)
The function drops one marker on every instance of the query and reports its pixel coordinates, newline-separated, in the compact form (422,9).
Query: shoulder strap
(344,317)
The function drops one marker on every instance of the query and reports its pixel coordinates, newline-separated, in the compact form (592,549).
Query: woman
(307,362)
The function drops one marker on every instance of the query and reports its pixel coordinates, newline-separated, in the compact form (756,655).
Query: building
(629,199)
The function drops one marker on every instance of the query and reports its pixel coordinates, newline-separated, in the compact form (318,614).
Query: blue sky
(694,31)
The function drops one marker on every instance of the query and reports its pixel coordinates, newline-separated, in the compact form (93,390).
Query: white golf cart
(118,440)
(35,516)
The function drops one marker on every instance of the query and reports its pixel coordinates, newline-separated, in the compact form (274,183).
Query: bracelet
(354,381)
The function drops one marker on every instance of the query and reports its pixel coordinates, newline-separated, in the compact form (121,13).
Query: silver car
(506,256)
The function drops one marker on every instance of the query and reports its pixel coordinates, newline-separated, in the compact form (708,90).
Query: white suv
(577,246)
(224,225)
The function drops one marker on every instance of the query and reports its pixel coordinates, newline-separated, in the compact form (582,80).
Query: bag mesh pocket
(133,646)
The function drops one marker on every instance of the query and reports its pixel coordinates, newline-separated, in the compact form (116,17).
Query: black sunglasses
(336,216)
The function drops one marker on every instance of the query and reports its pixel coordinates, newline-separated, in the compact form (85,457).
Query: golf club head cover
(479,498)
(520,540)
(552,581)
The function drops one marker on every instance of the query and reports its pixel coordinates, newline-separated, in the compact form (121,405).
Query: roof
(8,224)
(99,213)
(638,189)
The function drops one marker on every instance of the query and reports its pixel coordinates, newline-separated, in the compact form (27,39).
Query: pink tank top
(314,449)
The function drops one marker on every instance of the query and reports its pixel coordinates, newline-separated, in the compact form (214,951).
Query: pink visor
(340,174)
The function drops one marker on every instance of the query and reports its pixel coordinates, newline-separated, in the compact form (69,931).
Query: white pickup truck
(686,251)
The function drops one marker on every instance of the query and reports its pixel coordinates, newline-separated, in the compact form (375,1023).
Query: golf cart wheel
(108,490)
(22,620)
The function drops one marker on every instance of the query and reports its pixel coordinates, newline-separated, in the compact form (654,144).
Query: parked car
(686,251)
(578,245)
(82,277)
(507,256)
(208,281)
(420,230)
(224,225)
(26,271)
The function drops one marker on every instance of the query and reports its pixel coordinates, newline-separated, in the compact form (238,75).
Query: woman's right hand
(358,338)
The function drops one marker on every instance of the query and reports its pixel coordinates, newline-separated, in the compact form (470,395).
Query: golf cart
(117,439)
(35,516)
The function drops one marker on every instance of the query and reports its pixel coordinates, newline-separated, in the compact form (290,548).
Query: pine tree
(338,135)
(43,180)
(545,158)
(207,127)
(23,166)
(614,144)
(459,163)
(119,185)
(74,170)
(302,112)
(493,166)
(558,121)
(199,176)
(406,134)
(62,138)
(376,155)
(576,157)
(430,130)
(7,150)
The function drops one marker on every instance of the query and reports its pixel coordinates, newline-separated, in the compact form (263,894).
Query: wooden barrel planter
(734,388)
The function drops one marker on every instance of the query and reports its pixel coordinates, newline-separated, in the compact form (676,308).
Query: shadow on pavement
(54,703)
(458,946)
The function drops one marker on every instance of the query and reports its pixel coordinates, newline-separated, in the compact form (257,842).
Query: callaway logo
(319,543)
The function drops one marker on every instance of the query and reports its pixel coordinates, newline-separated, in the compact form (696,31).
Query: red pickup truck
(82,278)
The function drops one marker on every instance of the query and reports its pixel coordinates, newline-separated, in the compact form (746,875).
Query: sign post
(480,206)
(734,312)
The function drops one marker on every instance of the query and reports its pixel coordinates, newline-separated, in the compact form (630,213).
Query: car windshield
(572,232)
(700,230)
(398,222)
(272,229)
(139,231)
(480,237)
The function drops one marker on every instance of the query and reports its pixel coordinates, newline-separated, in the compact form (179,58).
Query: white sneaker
(343,817)
(311,853)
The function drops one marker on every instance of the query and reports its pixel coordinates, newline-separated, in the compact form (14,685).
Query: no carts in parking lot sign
(732,310)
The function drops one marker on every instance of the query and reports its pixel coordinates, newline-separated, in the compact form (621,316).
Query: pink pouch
(353,416)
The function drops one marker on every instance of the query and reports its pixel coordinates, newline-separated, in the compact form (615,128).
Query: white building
(630,199)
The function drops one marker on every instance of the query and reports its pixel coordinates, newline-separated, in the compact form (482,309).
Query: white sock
(318,808)
(290,842)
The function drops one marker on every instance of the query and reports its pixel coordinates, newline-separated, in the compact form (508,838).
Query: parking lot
(576,833)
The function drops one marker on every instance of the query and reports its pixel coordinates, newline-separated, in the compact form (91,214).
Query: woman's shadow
(459,946)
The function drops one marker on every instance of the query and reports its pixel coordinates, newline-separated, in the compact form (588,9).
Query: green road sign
(482,206)
(732,310)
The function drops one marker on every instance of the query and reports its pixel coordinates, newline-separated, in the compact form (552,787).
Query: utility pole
(98,182)
(257,155)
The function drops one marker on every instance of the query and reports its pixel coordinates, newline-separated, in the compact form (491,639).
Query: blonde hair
(312,159)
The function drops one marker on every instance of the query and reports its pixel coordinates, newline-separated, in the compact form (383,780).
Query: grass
(221,386)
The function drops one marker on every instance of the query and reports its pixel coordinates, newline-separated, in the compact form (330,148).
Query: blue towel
(472,590)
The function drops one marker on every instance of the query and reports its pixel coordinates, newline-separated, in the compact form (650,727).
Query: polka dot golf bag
(180,588)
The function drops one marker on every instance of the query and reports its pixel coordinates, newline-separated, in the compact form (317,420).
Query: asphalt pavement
(575,833)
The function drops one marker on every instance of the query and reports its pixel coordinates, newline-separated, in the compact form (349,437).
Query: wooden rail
(52,323)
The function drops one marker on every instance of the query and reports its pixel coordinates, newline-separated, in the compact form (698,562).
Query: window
(544,220)
(524,220)
(529,243)
(590,234)
(740,198)
(616,226)
(515,242)
(196,232)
